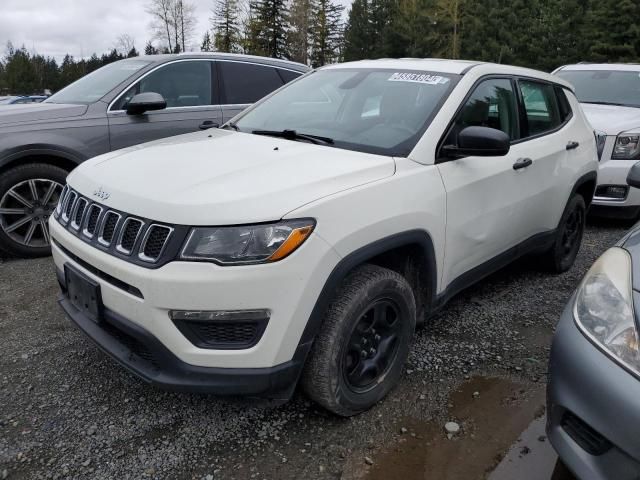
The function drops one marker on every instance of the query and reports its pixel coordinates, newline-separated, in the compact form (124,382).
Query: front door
(486,207)
(188,88)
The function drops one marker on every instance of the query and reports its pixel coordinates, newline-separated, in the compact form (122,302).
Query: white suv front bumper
(285,289)
(614,173)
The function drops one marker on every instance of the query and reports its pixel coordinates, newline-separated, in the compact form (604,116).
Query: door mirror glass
(145,102)
(633,178)
(480,142)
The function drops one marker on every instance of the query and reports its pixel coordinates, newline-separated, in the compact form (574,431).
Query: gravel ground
(66,411)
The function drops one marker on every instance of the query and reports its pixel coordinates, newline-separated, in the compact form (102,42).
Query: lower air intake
(589,440)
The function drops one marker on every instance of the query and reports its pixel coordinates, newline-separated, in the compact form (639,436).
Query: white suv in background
(610,97)
(306,238)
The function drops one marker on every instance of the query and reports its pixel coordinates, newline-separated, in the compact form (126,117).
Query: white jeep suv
(610,97)
(306,238)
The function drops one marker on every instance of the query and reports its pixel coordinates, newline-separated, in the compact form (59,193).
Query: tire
(28,196)
(330,375)
(562,255)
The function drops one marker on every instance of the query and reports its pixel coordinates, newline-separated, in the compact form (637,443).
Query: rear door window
(541,107)
(244,83)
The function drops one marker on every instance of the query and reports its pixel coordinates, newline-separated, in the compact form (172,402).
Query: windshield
(614,87)
(96,85)
(375,111)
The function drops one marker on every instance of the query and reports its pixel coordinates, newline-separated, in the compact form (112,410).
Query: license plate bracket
(83,293)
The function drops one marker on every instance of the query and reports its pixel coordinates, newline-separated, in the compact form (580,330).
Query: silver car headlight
(604,308)
(627,147)
(247,244)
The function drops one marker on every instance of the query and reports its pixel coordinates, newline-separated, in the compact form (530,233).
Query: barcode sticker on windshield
(418,78)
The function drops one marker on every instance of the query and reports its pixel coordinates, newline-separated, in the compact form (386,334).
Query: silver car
(122,104)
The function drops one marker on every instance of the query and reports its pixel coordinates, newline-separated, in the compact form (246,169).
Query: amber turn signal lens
(296,238)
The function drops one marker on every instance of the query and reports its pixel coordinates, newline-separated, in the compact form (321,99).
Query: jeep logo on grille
(101,194)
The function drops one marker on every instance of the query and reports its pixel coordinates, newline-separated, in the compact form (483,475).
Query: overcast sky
(82,27)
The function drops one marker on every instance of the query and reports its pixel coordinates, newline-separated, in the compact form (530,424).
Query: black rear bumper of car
(146,357)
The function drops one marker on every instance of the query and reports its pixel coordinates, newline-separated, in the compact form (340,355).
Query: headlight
(247,244)
(604,308)
(627,147)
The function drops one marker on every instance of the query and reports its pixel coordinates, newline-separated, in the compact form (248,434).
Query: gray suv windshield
(608,87)
(376,111)
(96,85)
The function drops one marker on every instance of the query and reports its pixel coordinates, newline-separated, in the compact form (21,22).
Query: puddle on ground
(502,417)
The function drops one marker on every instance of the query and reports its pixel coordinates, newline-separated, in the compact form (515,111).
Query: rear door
(189,88)
(244,83)
(547,140)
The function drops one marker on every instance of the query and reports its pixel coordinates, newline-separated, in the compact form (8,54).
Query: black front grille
(589,440)
(136,240)
(235,334)
(130,234)
(80,209)
(71,200)
(155,241)
(92,221)
(109,228)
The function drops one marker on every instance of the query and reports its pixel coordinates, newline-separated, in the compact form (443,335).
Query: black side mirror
(145,102)
(633,178)
(480,142)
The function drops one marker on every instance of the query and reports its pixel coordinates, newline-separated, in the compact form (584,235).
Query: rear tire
(562,255)
(359,354)
(28,196)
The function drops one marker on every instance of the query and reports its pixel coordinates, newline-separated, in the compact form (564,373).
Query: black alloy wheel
(373,345)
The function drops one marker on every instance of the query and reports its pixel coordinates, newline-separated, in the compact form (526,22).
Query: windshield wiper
(232,125)
(293,135)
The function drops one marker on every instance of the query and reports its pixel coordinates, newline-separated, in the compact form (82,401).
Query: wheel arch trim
(581,182)
(361,256)
(40,150)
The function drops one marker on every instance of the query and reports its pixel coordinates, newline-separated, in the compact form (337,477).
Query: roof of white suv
(454,67)
(628,67)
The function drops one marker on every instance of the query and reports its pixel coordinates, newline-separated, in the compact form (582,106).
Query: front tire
(562,255)
(28,196)
(359,354)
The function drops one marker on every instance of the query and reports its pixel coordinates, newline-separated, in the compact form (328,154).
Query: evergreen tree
(326,32)
(271,24)
(207,44)
(226,26)
(614,30)
(358,35)
(299,35)
(149,49)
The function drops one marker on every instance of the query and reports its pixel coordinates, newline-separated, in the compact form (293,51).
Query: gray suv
(122,104)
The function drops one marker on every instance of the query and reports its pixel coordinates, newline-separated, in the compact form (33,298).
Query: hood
(220,177)
(34,112)
(612,119)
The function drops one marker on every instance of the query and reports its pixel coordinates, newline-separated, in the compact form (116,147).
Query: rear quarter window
(563,104)
(288,75)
